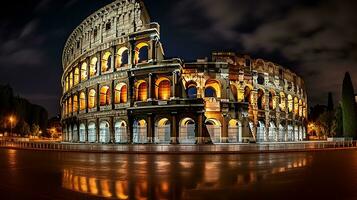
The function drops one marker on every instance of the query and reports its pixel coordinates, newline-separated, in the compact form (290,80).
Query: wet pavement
(51,175)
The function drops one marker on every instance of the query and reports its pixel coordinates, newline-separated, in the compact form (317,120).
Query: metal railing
(150,148)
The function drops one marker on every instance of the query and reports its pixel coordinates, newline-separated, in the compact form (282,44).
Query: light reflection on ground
(111,176)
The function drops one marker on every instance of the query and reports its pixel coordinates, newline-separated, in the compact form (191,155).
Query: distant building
(118,87)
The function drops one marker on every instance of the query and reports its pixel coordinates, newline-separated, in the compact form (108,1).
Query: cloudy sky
(317,39)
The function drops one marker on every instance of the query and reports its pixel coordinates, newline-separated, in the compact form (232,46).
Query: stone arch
(141,91)
(290,133)
(235,132)
(75,103)
(92,99)
(140,132)
(82,101)
(75,133)
(191,89)
(296,133)
(82,132)
(122,57)
(163,131)
(272,132)
(121,93)
(104,132)
(67,83)
(261,79)
(300,108)
(120,132)
(70,106)
(70,80)
(213,88)
(296,106)
(84,73)
(92,132)
(187,131)
(76,77)
(163,88)
(272,100)
(104,96)
(214,128)
(260,131)
(70,133)
(106,61)
(141,53)
(282,104)
(93,67)
(290,103)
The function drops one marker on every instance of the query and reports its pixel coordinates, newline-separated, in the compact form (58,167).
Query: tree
(325,122)
(349,111)
(35,130)
(338,125)
(24,128)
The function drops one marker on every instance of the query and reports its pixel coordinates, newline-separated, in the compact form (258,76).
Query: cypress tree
(349,111)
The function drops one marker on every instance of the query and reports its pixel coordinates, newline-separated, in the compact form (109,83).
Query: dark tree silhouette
(349,108)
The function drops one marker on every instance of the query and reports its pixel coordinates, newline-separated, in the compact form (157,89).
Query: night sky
(316,39)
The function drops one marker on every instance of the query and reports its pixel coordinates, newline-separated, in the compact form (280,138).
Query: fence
(172,149)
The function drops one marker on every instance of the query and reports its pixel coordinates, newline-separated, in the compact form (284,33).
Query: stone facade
(119,88)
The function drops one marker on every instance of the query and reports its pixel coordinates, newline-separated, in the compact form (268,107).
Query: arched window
(296,106)
(104,132)
(141,53)
(70,108)
(260,79)
(84,74)
(76,76)
(104,96)
(191,90)
(290,103)
(121,93)
(82,101)
(70,80)
(187,131)
(93,67)
(272,101)
(106,61)
(122,57)
(75,103)
(91,99)
(282,104)
(163,91)
(67,83)
(142,91)
(212,89)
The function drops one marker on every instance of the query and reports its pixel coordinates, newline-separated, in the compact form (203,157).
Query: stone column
(173,84)
(86,131)
(199,128)
(97,131)
(150,128)
(98,97)
(151,88)
(111,129)
(174,128)
(224,128)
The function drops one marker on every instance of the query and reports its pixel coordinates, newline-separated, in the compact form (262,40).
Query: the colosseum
(118,87)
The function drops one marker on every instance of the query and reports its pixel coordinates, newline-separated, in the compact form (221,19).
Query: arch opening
(163,131)
(187,131)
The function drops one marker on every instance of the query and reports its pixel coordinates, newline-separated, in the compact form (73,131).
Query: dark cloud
(318,39)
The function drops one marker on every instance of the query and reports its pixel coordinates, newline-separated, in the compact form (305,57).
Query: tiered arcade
(119,88)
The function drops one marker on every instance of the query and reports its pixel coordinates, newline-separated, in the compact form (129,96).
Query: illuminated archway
(212,89)
(104,132)
(261,100)
(247,94)
(272,101)
(214,129)
(67,83)
(260,131)
(141,91)
(290,103)
(106,62)
(105,96)
(187,131)
(82,133)
(75,133)
(282,104)
(121,94)
(84,73)
(296,106)
(70,80)
(82,101)
(140,132)
(92,132)
(70,106)
(163,89)
(191,90)
(92,99)
(120,132)
(141,53)
(76,76)
(235,131)
(163,131)
(93,67)
(234,91)
(75,103)
(122,57)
